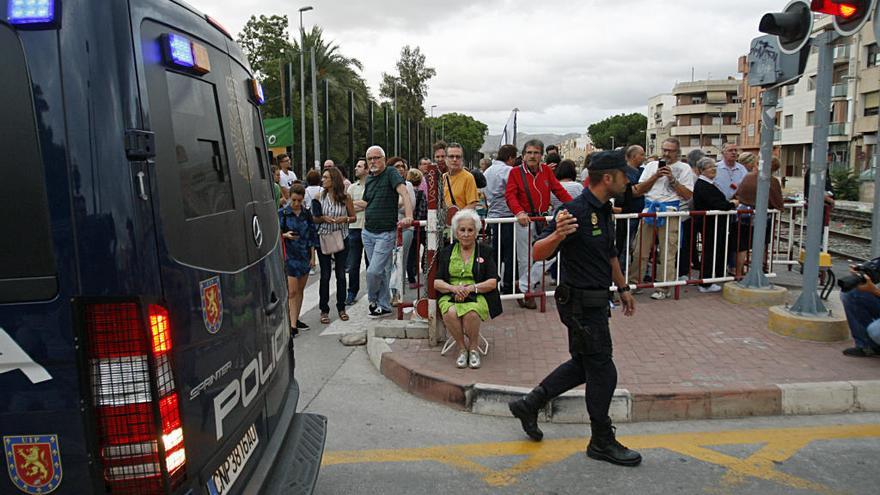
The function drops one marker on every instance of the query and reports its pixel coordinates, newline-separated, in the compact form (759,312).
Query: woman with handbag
(468,279)
(333,210)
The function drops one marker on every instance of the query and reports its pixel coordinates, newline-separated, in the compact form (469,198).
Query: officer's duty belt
(589,298)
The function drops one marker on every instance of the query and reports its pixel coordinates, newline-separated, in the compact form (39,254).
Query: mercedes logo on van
(258,231)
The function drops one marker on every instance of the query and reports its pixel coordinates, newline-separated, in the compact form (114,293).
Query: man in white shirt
(666,188)
(287,175)
(730,173)
(355,243)
(496,187)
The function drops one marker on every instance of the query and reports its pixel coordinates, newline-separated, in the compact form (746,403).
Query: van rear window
(27,262)
(205,186)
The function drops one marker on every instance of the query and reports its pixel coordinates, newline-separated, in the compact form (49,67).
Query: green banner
(279,132)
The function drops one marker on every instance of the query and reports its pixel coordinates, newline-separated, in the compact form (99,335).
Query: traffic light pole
(756,279)
(809,303)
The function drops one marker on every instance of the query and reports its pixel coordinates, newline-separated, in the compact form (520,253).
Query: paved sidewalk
(697,357)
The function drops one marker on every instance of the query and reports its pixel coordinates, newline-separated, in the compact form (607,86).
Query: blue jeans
(379,247)
(355,255)
(863,316)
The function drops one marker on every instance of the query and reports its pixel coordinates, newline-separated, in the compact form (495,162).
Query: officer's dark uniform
(582,303)
(582,300)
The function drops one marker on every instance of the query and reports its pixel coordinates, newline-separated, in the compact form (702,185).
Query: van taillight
(140,434)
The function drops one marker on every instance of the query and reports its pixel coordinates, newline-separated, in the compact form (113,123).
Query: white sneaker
(659,295)
(711,288)
(462,360)
(474,360)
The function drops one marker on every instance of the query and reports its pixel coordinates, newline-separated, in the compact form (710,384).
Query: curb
(626,406)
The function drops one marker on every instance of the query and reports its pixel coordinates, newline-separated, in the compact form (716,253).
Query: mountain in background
(490,145)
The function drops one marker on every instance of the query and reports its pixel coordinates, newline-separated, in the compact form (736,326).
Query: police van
(144,335)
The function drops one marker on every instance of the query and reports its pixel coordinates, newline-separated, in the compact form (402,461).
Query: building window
(751,130)
(811,118)
(789,121)
(811,83)
(695,121)
(695,142)
(873,56)
(789,90)
(696,100)
(872,103)
(753,102)
(717,142)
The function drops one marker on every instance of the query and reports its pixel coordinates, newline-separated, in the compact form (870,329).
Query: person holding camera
(861,303)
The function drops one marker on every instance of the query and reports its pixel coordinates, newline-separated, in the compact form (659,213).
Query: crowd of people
(337,225)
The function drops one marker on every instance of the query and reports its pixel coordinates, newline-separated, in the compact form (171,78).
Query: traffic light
(792,27)
(849,15)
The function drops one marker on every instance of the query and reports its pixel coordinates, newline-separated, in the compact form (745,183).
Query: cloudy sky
(564,64)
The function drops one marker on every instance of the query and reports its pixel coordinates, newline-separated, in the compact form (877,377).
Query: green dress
(462,274)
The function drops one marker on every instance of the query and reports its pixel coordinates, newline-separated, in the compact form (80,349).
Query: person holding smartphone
(668,185)
(300,239)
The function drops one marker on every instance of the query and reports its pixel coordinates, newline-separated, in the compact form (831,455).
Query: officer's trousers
(591,359)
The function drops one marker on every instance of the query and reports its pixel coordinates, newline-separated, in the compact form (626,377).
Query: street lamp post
(432,110)
(302,84)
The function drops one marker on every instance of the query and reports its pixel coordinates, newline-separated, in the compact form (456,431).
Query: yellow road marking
(779,445)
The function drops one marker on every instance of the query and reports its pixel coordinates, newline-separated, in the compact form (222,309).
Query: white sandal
(462,360)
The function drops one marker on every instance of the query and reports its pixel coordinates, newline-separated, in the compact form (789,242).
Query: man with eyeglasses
(529,187)
(668,186)
(381,192)
(459,186)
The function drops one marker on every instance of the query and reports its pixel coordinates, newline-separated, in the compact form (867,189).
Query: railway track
(840,243)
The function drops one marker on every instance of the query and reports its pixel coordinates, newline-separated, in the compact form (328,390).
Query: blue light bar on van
(31,11)
(179,50)
(257,92)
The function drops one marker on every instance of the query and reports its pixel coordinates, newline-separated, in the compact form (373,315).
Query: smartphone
(661,164)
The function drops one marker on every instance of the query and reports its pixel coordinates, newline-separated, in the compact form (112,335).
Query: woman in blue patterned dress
(300,238)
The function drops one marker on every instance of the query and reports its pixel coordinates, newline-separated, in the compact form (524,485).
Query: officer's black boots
(527,408)
(605,447)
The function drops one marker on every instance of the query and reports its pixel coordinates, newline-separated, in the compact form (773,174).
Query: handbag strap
(522,172)
(451,196)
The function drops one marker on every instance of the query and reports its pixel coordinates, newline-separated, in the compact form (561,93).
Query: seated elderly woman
(468,279)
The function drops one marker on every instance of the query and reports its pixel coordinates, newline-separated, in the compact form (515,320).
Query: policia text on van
(143,330)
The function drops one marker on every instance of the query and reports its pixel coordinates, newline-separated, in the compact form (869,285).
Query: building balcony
(706,108)
(838,129)
(839,90)
(841,54)
(706,130)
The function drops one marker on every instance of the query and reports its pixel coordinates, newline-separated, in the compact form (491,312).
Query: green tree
(264,41)
(462,129)
(625,129)
(411,82)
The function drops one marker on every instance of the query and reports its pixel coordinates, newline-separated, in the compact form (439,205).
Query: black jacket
(482,270)
(708,197)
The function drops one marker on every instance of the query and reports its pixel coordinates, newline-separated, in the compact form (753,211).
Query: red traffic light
(843,9)
(849,15)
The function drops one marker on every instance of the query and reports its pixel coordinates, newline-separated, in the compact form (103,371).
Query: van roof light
(257,92)
(31,11)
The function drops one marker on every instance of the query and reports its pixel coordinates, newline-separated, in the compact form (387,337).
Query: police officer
(586,224)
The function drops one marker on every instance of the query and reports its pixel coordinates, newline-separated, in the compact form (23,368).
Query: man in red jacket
(528,195)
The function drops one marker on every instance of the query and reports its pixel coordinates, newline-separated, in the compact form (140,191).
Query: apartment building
(750,113)
(660,122)
(706,114)
(576,149)
(855,100)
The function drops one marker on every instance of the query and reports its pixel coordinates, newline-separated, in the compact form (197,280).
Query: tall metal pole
(387,147)
(351,158)
(292,119)
(316,137)
(326,118)
(875,222)
(756,279)
(418,139)
(396,137)
(409,141)
(809,303)
(302,93)
(370,139)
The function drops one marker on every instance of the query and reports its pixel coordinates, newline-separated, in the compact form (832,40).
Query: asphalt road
(383,440)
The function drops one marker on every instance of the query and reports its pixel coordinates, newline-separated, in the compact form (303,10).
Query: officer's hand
(629,303)
(522,218)
(566,224)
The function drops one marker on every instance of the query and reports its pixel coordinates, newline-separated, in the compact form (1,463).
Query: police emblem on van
(212,304)
(34,462)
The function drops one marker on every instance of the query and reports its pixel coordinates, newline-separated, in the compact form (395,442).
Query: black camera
(869,268)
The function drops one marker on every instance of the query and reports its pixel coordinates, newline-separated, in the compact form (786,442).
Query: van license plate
(225,475)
